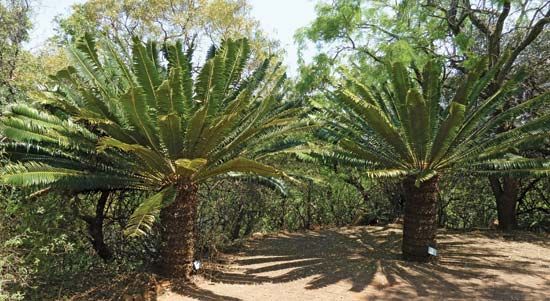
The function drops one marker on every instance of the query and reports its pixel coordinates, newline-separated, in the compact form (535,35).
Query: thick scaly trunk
(506,196)
(420,220)
(179,233)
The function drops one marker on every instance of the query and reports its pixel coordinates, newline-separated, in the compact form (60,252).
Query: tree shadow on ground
(193,291)
(357,256)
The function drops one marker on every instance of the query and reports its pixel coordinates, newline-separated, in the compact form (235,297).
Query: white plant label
(432,251)
(197,265)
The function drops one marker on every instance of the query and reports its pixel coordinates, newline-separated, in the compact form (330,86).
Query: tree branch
(527,189)
(529,38)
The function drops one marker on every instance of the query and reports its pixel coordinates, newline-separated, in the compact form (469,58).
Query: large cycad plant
(410,130)
(164,129)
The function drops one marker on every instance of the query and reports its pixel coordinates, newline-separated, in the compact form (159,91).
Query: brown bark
(179,233)
(420,219)
(506,195)
(95,228)
(355,182)
(236,231)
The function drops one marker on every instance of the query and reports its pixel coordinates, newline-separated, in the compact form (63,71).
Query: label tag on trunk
(197,265)
(432,251)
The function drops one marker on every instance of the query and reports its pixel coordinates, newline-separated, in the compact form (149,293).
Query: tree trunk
(95,228)
(506,196)
(309,216)
(420,220)
(179,233)
(236,231)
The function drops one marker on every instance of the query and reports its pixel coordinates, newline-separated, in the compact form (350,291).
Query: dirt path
(362,263)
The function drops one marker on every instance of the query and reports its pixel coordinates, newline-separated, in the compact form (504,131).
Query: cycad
(409,130)
(162,129)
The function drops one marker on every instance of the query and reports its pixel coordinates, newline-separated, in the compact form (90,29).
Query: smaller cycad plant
(409,130)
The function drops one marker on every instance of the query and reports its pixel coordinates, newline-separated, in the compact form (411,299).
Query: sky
(279,19)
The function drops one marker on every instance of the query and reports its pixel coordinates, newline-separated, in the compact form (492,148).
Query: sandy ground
(363,263)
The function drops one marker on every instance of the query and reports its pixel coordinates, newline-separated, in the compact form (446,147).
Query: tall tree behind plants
(197,23)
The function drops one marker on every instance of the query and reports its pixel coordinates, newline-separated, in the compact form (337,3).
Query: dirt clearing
(363,263)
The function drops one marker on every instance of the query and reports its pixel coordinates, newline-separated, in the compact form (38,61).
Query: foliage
(113,95)
(155,127)
(409,130)
(366,33)
(197,23)
(13,33)
(12,271)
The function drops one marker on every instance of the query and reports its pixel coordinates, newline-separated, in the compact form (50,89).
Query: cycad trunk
(420,220)
(179,233)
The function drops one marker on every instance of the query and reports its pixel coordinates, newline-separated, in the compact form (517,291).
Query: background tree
(14,26)
(197,23)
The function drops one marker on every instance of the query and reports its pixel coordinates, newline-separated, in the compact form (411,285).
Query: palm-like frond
(48,151)
(406,131)
(156,124)
(143,218)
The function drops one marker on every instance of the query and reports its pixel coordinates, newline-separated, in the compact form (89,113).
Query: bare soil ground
(363,263)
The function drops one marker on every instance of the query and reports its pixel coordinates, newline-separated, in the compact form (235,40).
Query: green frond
(194,131)
(367,154)
(377,121)
(530,105)
(33,174)
(169,99)
(205,82)
(447,132)
(385,173)
(157,164)
(480,115)
(483,81)
(465,87)
(143,218)
(87,45)
(187,168)
(424,176)
(178,60)
(113,53)
(146,72)
(401,84)
(84,64)
(235,62)
(135,107)
(418,124)
(272,183)
(431,91)
(171,134)
(514,166)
